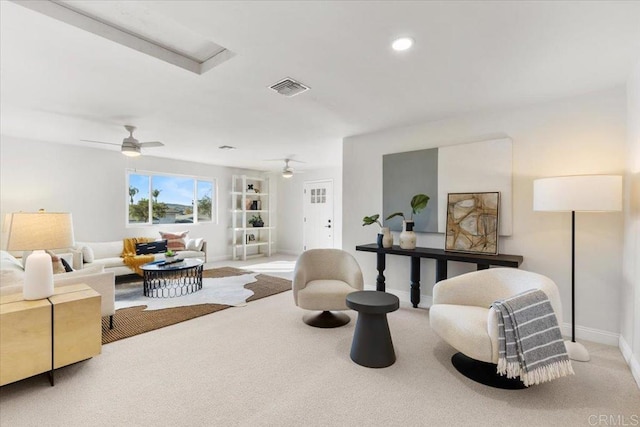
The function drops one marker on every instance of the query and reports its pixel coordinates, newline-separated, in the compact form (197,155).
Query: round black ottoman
(372,346)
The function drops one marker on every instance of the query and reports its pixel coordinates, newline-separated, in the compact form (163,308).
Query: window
(169,199)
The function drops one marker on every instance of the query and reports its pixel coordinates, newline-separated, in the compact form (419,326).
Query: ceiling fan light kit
(130,150)
(287,171)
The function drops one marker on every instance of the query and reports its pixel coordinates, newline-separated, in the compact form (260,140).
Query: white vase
(408,236)
(387,237)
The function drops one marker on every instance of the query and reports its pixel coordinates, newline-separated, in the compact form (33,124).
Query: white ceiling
(59,83)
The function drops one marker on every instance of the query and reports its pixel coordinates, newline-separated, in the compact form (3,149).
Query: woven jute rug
(134,320)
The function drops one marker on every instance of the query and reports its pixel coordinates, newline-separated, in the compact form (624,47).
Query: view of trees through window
(169,199)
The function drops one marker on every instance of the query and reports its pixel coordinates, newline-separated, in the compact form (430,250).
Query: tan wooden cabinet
(25,338)
(77,326)
(43,335)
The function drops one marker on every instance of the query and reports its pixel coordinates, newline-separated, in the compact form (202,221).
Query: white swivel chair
(322,280)
(461,315)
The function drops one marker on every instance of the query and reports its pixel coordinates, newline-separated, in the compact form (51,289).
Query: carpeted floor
(135,320)
(260,365)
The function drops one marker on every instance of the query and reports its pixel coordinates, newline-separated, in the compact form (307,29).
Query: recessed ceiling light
(402,43)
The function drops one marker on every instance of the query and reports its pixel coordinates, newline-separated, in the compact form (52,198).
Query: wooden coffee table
(172,280)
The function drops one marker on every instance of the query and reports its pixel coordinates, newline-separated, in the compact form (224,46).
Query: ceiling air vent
(289,87)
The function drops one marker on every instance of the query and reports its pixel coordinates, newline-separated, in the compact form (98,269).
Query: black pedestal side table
(372,346)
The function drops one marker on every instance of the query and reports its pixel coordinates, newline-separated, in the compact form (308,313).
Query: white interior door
(318,214)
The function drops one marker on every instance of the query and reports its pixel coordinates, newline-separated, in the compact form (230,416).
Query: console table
(441,256)
(47,334)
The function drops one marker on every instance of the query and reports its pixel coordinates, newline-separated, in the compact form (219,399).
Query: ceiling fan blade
(99,142)
(283,160)
(151,144)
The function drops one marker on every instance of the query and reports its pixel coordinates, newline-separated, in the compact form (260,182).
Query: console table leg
(381,265)
(441,270)
(415,281)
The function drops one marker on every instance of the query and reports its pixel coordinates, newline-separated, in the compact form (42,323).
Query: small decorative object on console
(408,236)
(385,238)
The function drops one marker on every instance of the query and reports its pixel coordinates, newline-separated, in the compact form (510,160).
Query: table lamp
(38,231)
(588,193)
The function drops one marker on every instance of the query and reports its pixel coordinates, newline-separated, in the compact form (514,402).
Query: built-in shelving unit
(250,198)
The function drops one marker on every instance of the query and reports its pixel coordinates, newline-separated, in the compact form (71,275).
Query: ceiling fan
(287,171)
(130,146)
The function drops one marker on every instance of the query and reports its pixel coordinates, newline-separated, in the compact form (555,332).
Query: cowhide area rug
(221,288)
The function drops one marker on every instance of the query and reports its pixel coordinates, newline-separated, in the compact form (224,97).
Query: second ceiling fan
(287,171)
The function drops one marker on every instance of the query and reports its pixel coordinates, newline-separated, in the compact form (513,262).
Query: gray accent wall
(405,175)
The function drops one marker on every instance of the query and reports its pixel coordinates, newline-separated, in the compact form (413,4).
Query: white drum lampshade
(37,231)
(580,193)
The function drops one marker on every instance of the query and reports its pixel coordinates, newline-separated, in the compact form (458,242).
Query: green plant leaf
(418,203)
(368,220)
(395,214)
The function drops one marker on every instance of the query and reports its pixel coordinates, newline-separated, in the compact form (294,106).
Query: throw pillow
(175,241)
(194,244)
(157,247)
(87,254)
(56,263)
(65,264)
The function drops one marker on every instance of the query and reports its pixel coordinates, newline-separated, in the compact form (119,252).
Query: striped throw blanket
(530,345)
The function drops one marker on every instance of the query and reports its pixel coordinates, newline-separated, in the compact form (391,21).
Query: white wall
(91,184)
(289,201)
(581,135)
(630,324)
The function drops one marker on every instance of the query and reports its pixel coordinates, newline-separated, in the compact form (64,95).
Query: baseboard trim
(631,359)
(582,333)
(591,334)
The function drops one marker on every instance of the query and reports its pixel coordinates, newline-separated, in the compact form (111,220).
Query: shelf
(249,245)
(240,193)
(252,228)
(242,198)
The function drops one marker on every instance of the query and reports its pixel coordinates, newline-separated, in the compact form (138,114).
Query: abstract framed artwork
(472,222)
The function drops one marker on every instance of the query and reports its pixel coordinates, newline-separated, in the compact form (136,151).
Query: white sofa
(109,255)
(12,277)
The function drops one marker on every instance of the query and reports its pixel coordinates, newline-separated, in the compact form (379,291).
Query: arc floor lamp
(589,193)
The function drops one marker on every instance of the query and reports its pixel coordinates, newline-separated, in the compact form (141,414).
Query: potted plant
(170,256)
(256,221)
(408,236)
(385,239)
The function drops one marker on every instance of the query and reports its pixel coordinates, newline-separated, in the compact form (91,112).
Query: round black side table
(372,346)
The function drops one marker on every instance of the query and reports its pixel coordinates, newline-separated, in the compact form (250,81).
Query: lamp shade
(578,193)
(30,231)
